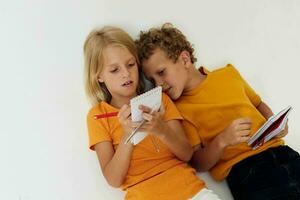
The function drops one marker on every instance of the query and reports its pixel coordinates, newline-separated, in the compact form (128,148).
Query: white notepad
(151,99)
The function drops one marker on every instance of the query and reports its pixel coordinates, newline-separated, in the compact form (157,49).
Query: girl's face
(120,72)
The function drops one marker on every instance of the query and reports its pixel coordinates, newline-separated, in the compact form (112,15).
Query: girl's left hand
(154,120)
(284,132)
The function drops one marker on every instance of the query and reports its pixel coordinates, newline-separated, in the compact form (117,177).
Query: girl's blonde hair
(94,45)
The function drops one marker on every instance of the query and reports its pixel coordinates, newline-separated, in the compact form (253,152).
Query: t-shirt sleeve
(252,95)
(191,132)
(97,130)
(171,111)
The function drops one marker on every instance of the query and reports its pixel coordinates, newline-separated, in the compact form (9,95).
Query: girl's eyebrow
(116,64)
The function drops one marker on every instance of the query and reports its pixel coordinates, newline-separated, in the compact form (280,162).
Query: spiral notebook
(151,99)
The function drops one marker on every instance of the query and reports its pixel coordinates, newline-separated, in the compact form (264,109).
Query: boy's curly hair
(167,38)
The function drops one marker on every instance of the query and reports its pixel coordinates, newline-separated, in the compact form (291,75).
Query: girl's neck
(118,102)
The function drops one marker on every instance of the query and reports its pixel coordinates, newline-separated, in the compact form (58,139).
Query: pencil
(106,115)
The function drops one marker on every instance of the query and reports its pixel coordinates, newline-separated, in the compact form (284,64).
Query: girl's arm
(115,164)
(170,133)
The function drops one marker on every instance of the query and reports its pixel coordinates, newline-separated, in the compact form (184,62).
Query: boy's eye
(161,72)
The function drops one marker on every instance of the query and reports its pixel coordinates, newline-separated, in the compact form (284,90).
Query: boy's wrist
(220,142)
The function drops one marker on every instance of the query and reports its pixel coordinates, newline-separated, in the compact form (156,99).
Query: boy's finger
(243,120)
(244,127)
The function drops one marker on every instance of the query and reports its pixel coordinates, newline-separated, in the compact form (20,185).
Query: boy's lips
(167,90)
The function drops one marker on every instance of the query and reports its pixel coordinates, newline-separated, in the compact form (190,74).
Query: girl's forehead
(116,54)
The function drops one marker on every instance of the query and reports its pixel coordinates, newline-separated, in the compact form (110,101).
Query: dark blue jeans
(270,175)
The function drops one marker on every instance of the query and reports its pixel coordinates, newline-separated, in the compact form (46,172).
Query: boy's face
(164,72)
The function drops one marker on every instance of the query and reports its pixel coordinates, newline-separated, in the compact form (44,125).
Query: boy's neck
(195,78)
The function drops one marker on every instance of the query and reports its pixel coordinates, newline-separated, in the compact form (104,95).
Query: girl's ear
(100,79)
(186,58)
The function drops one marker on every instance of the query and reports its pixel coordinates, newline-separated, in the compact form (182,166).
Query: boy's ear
(185,57)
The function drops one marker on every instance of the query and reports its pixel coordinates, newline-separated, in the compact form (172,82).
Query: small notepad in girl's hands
(151,99)
(273,126)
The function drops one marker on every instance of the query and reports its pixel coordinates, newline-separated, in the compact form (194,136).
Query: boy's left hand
(154,121)
(284,132)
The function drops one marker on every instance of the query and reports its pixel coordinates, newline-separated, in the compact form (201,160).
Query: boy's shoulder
(227,68)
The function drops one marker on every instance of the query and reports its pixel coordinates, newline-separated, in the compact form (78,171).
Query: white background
(43,145)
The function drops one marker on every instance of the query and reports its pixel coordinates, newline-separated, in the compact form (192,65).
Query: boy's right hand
(237,132)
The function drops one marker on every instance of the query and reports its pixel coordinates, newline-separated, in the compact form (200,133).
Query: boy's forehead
(157,58)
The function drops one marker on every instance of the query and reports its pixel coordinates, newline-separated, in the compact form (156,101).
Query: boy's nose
(159,82)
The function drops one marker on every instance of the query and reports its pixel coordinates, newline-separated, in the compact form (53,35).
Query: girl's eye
(131,64)
(114,70)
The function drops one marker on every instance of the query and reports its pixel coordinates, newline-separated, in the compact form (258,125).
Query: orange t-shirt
(151,174)
(209,108)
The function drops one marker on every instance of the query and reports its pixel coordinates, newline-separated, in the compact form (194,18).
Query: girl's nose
(125,72)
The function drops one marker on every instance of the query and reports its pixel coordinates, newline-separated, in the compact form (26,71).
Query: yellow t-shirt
(209,108)
(151,174)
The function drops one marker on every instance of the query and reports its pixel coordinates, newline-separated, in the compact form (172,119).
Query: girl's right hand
(124,116)
(237,132)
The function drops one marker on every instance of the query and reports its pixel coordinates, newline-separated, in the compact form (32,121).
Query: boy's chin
(174,96)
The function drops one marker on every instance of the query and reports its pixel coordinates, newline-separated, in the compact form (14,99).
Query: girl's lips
(127,84)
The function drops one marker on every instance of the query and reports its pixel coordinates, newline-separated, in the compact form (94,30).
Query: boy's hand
(154,120)
(284,132)
(237,132)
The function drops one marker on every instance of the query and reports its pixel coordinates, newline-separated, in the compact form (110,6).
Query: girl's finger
(145,109)
(147,116)
(161,109)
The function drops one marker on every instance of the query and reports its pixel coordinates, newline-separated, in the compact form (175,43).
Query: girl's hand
(154,120)
(124,116)
(284,132)
(237,132)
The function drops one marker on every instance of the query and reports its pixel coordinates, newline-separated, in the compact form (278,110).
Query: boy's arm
(265,110)
(237,132)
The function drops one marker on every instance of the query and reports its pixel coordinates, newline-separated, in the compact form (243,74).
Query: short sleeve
(171,111)
(252,95)
(191,132)
(97,130)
